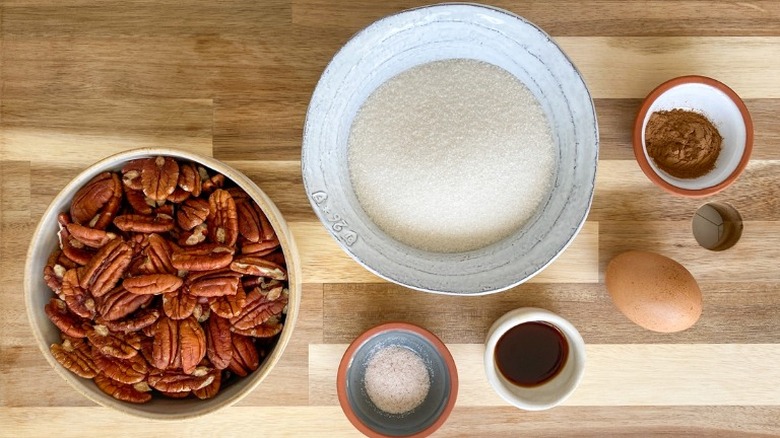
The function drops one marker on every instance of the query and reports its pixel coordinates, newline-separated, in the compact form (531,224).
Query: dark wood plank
(351,309)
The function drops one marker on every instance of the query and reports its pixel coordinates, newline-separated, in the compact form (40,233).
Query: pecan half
(189,179)
(259,308)
(260,249)
(90,237)
(129,371)
(106,267)
(204,258)
(192,213)
(78,255)
(53,272)
(119,345)
(140,223)
(173,381)
(158,256)
(213,183)
(195,236)
(152,284)
(131,175)
(260,267)
(270,328)
(121,391)
(70,324)
(106,215)
(159,176)
(245,358)
(192,342)
(249,225)
(165,348)
(118,303)
(74,355)
(82,304)
(91,198)
(223,218)
(144,318)
(213,283)
(229,306)
(219,342)
(178,196)
(179,304)
(137,201)
(210,390)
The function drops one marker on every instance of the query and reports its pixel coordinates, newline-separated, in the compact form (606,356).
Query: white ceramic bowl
(723,107)
(37,294)
(418,36)
(551,393)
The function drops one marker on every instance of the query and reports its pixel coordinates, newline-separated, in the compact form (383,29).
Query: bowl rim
(639,147)
(355,345)
(286,240)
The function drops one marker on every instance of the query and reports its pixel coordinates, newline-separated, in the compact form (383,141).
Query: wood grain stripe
(733,313)
(613,67)
(570,18)
(324,261)
(616,375)
(329,421)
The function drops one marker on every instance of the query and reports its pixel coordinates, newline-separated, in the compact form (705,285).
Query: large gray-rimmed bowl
(37,294)
(418,36)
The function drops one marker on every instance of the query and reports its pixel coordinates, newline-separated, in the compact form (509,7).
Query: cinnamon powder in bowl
(693,136)
(684,144)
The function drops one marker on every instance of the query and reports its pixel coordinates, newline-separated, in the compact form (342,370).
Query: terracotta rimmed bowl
(723,107)
(37,294)
(419,422)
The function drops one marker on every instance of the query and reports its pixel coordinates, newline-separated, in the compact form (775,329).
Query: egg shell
(653,291)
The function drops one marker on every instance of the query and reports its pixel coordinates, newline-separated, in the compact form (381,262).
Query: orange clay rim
(639,147)
(346,361)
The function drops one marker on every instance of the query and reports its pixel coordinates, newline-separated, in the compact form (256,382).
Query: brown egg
(654,291)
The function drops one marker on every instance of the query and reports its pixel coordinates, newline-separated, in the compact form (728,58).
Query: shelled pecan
(165,277)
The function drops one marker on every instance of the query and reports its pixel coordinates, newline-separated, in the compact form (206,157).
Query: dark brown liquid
(531,353)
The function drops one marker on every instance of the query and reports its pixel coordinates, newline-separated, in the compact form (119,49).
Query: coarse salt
(451,156)
(396,380)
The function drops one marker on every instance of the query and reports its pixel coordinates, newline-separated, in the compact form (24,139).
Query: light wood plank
(81,131)
(323,261)
(616,375)
(282,421)
(734,313)
(567,17)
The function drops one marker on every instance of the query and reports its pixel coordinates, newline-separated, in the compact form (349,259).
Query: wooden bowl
(37,293)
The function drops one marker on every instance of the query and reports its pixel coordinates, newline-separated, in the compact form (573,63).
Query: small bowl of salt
(397,379)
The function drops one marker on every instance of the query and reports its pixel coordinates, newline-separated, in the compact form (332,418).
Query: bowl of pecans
(162,283)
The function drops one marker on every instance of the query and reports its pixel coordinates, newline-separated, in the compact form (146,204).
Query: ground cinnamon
(682,143)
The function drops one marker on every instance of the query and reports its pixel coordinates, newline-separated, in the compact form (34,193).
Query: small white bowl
(451,31)
(552,392)
(721,106)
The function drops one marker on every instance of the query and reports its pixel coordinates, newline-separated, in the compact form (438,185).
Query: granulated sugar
(396,380)
(451,156)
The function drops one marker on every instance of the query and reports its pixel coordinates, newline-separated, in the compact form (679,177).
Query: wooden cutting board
(83,79)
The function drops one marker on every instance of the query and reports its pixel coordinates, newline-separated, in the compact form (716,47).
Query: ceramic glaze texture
(399,42)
